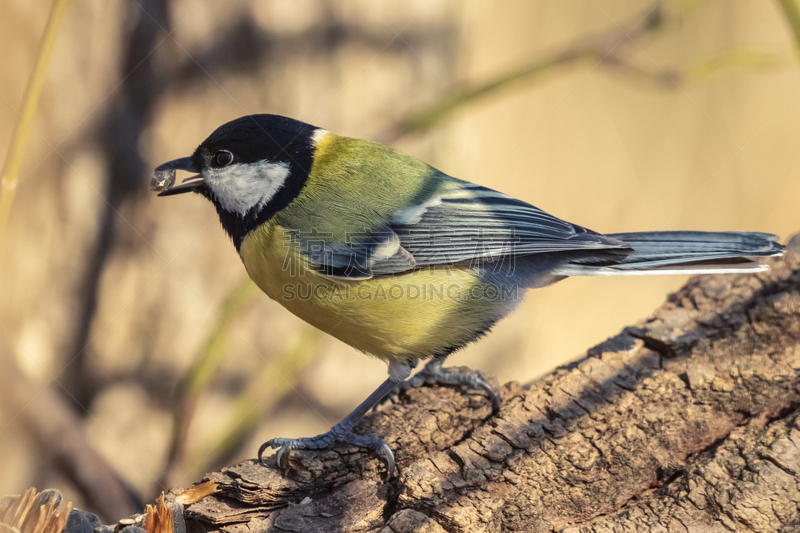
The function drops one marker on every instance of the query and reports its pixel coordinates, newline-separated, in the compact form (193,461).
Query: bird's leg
(343,431)
(433,373)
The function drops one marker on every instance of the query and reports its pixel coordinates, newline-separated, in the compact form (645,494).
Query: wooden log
(687,421)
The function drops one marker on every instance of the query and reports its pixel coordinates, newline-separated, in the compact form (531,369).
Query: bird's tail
(681,252)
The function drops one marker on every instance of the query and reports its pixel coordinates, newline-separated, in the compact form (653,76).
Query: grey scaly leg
(343,431)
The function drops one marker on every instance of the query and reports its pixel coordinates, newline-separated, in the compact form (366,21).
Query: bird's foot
(337,435)
(435,374)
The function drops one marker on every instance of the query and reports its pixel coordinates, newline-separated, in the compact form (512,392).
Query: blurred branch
(213,351)
(704,69)
(736,60)
(249,407)
(600,49)
(128,115)
(51,423)
(60,436)
(265,391)
(22,130)
(605,51)
(425,119)
(243,46)
(199,375)
(793,17)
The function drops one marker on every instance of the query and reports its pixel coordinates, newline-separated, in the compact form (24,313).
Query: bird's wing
(462,222)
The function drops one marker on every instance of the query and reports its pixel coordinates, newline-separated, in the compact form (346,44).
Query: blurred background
(134,353)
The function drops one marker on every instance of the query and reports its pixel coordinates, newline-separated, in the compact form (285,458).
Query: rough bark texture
(689,421)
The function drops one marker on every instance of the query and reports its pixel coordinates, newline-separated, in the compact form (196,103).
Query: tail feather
(681,252)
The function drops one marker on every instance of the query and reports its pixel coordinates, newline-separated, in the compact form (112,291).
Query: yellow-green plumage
(405,316)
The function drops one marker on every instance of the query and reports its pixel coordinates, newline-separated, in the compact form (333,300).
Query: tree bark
(687,421)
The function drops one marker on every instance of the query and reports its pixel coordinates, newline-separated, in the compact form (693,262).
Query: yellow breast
(411,315)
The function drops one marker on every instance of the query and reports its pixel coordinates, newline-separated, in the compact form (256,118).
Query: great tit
(400,260)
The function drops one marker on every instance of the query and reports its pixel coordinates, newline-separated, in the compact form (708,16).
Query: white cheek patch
(243,186)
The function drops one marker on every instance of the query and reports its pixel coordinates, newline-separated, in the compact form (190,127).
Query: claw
(376,446)
(274,443)
(261,451)
(493,396)
(387,453)
(279,455)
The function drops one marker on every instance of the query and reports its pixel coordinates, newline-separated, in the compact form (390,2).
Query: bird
(400,260)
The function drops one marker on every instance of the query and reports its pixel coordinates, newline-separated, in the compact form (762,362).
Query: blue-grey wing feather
(484,223)
(466,222)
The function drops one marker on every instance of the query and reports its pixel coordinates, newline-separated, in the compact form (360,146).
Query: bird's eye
(222,158)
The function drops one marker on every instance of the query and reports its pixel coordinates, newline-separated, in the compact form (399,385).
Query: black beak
(166,173)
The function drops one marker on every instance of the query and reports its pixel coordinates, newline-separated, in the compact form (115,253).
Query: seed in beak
(162,180)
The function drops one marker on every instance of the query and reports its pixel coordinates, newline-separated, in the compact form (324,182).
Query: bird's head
(249,168)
